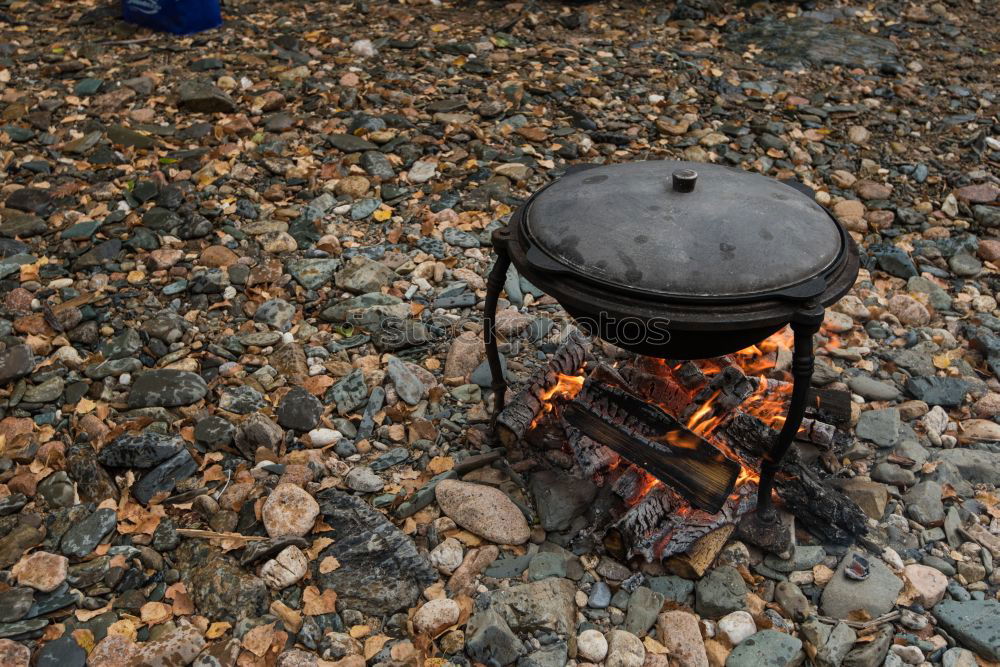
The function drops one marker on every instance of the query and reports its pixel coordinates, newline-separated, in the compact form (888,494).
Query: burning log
(529,403)
(682,459)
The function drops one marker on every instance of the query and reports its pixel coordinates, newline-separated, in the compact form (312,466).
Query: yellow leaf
(374,644)
(85,638)
(155,612)
(942,361)
(85,405)
(440,464)
(258,640)
(124,627)
(359,631)
(217,629)
(439,27)
(318,545)
(382,214)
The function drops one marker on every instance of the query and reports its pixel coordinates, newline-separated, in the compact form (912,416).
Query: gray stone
(879,426)
(873,389)
(349,393)
(560,498)
(939,298)
(61,652)
(364,480)
(890,473)
(15,362)
(546,564)
(355,308)
(164,477)
(126,344)
(241,399)
(974,624)
(299,410)
(380,570)
(15,604)
(947,392)
(923,503)
(547,604)
(46,392)
(600,596)
(166,388)
(876,594)
(959,657)
(767,647)
(673,588)
(871,653)
(792,600)
(377,165)
(720,592)
(407,384)
(803,558)
(643,607)
(140,450)
(836,648)
(203,97)
(987,216)
(976,466)
(361,275)
(82,538)
(489,639)
(350,143)
(22,225)
(57,489)
(553,655)
(965,265)
(313,273)
(277,313)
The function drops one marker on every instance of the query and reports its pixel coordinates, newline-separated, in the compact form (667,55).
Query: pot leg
(763,527)
(493,286)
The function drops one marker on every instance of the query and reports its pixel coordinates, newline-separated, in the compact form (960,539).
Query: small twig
(126,42)
(213,535)
(863,625)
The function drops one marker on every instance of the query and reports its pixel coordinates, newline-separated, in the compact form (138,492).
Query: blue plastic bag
(181,17)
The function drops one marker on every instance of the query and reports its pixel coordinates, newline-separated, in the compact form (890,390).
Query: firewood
(822,510)
(693,563)
(522,411)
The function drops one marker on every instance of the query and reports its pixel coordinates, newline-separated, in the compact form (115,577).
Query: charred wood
(821,509)
(522,411)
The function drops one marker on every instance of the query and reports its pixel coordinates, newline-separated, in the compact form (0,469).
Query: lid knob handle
(684,180)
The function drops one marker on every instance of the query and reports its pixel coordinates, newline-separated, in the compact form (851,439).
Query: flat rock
(546,604)
(679,632)
(203,97)
(82,538)
(483,510)
(220,588)
(767,647)
(380,570)
(141,450)
(875,595)
(166,388)
(15,362)
(299,410)
(975,624)
(977,466)
(560,498)
(873,389)
(879,426)
(720,592)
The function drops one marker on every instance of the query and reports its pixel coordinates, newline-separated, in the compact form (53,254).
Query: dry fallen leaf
(217,629)
(258,640)
(153,613)
(328,564)
(317,546)
(315,603)
(374,644)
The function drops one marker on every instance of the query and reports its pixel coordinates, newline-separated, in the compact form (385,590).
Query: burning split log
(528,404)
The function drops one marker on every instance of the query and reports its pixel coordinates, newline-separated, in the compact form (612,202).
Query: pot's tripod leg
(763,527)
(493,286)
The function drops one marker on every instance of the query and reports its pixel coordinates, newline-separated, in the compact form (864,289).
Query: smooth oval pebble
(483,510)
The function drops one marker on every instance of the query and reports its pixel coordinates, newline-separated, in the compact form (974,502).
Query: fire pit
(678,261)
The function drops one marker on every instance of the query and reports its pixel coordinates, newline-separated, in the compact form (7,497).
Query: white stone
(447,556)
(959,657)
(364,48)
(435,616)
(289,510)
(42,571)
(321,437)
(935,421)
(911,655)
(422,171)
(591,646)
(624,650)
(736,627)
(285,569)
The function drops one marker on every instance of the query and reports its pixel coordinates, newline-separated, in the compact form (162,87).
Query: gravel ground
(243,404)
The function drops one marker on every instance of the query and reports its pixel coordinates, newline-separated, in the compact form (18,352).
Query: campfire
(677,446)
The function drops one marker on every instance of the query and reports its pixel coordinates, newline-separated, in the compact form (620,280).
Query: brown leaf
(153,613)
(328,564)
(315,603)
(217,629)
(374,644)
(258,640)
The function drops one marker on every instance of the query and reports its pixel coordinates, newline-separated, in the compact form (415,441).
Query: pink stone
(929,583)
(679,632)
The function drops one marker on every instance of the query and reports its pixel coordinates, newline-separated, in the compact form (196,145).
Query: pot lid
(682,230)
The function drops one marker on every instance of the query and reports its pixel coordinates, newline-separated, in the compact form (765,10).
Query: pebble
(483,510)
(436,616)
(42,571)
(591,646)
(289,510)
